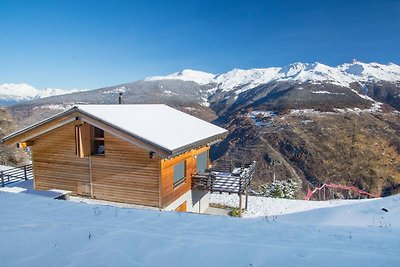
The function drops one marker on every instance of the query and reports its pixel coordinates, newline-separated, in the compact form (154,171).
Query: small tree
(280,189)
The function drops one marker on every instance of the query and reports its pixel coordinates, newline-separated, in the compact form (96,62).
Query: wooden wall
(55,164)
(124,174)
(169,193)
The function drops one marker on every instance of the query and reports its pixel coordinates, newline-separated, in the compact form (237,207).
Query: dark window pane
(98,141)
(202,159)
(98,147)
(98,132)
(179,172)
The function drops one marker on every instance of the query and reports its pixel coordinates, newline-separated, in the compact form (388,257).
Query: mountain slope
(10,155)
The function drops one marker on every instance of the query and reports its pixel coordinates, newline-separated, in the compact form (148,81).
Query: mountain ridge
(240,80)
(11,93)
(343,75)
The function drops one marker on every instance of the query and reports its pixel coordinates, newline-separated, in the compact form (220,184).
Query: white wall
(200,201)
(197,201)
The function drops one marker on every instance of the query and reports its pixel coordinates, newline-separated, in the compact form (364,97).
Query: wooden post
(2,179)
(319,193)
(247,198)
(240,196)
(240,204)
(25,174)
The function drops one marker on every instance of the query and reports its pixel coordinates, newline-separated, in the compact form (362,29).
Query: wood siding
(124,174)
(170,193)
(55,163)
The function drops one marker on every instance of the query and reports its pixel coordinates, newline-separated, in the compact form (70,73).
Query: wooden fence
(16,174)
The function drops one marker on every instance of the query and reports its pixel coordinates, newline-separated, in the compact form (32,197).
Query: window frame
(207,156)
(95,139)
(181,180)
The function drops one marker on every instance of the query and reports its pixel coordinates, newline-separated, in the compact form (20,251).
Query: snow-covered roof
(159,125)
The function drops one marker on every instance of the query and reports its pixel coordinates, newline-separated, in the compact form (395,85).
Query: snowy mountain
(199,77)
(240,80)
(16,92)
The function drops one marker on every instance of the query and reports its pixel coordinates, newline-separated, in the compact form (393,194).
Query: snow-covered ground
(5,167)
(109,203)
(37,231)
(265,206)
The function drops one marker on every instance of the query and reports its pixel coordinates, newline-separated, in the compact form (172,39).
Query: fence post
(2,179)
(240,196)
(247,198)
(25,175)
(240,204)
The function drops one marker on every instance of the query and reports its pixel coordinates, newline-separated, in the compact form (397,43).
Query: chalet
(139,154)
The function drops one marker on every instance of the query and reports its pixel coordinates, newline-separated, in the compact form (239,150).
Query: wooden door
(84,188)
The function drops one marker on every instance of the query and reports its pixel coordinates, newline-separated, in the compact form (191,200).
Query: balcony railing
(237,181)
(16,174)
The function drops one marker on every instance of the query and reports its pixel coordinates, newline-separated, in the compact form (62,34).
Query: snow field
(37,231)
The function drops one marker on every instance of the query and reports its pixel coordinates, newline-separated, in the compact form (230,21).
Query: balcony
(236,181)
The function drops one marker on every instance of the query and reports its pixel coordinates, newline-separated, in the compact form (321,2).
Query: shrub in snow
(235,212)
(280,189)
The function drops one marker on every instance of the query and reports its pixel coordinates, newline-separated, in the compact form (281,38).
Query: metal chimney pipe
(120,98)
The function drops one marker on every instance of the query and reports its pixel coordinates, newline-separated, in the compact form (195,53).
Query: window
(89,140)
(97,141)
(179,173)
(201,164)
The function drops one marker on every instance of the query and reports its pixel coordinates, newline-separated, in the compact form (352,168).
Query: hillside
(38,231)
(308,122)
(345,148)
(10,155)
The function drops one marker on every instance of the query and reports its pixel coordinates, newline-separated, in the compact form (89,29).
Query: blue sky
(91,44)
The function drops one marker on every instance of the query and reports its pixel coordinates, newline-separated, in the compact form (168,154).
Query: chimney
(120,98)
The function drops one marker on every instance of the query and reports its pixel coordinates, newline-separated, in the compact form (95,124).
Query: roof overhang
(41,127)
(207,141)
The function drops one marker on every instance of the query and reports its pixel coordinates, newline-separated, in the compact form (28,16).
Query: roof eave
(35,125)
(206,141)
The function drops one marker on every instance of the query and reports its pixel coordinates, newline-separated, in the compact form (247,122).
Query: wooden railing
(16,174)
(228,182)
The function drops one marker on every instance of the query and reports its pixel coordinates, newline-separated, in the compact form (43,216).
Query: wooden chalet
(138,154)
